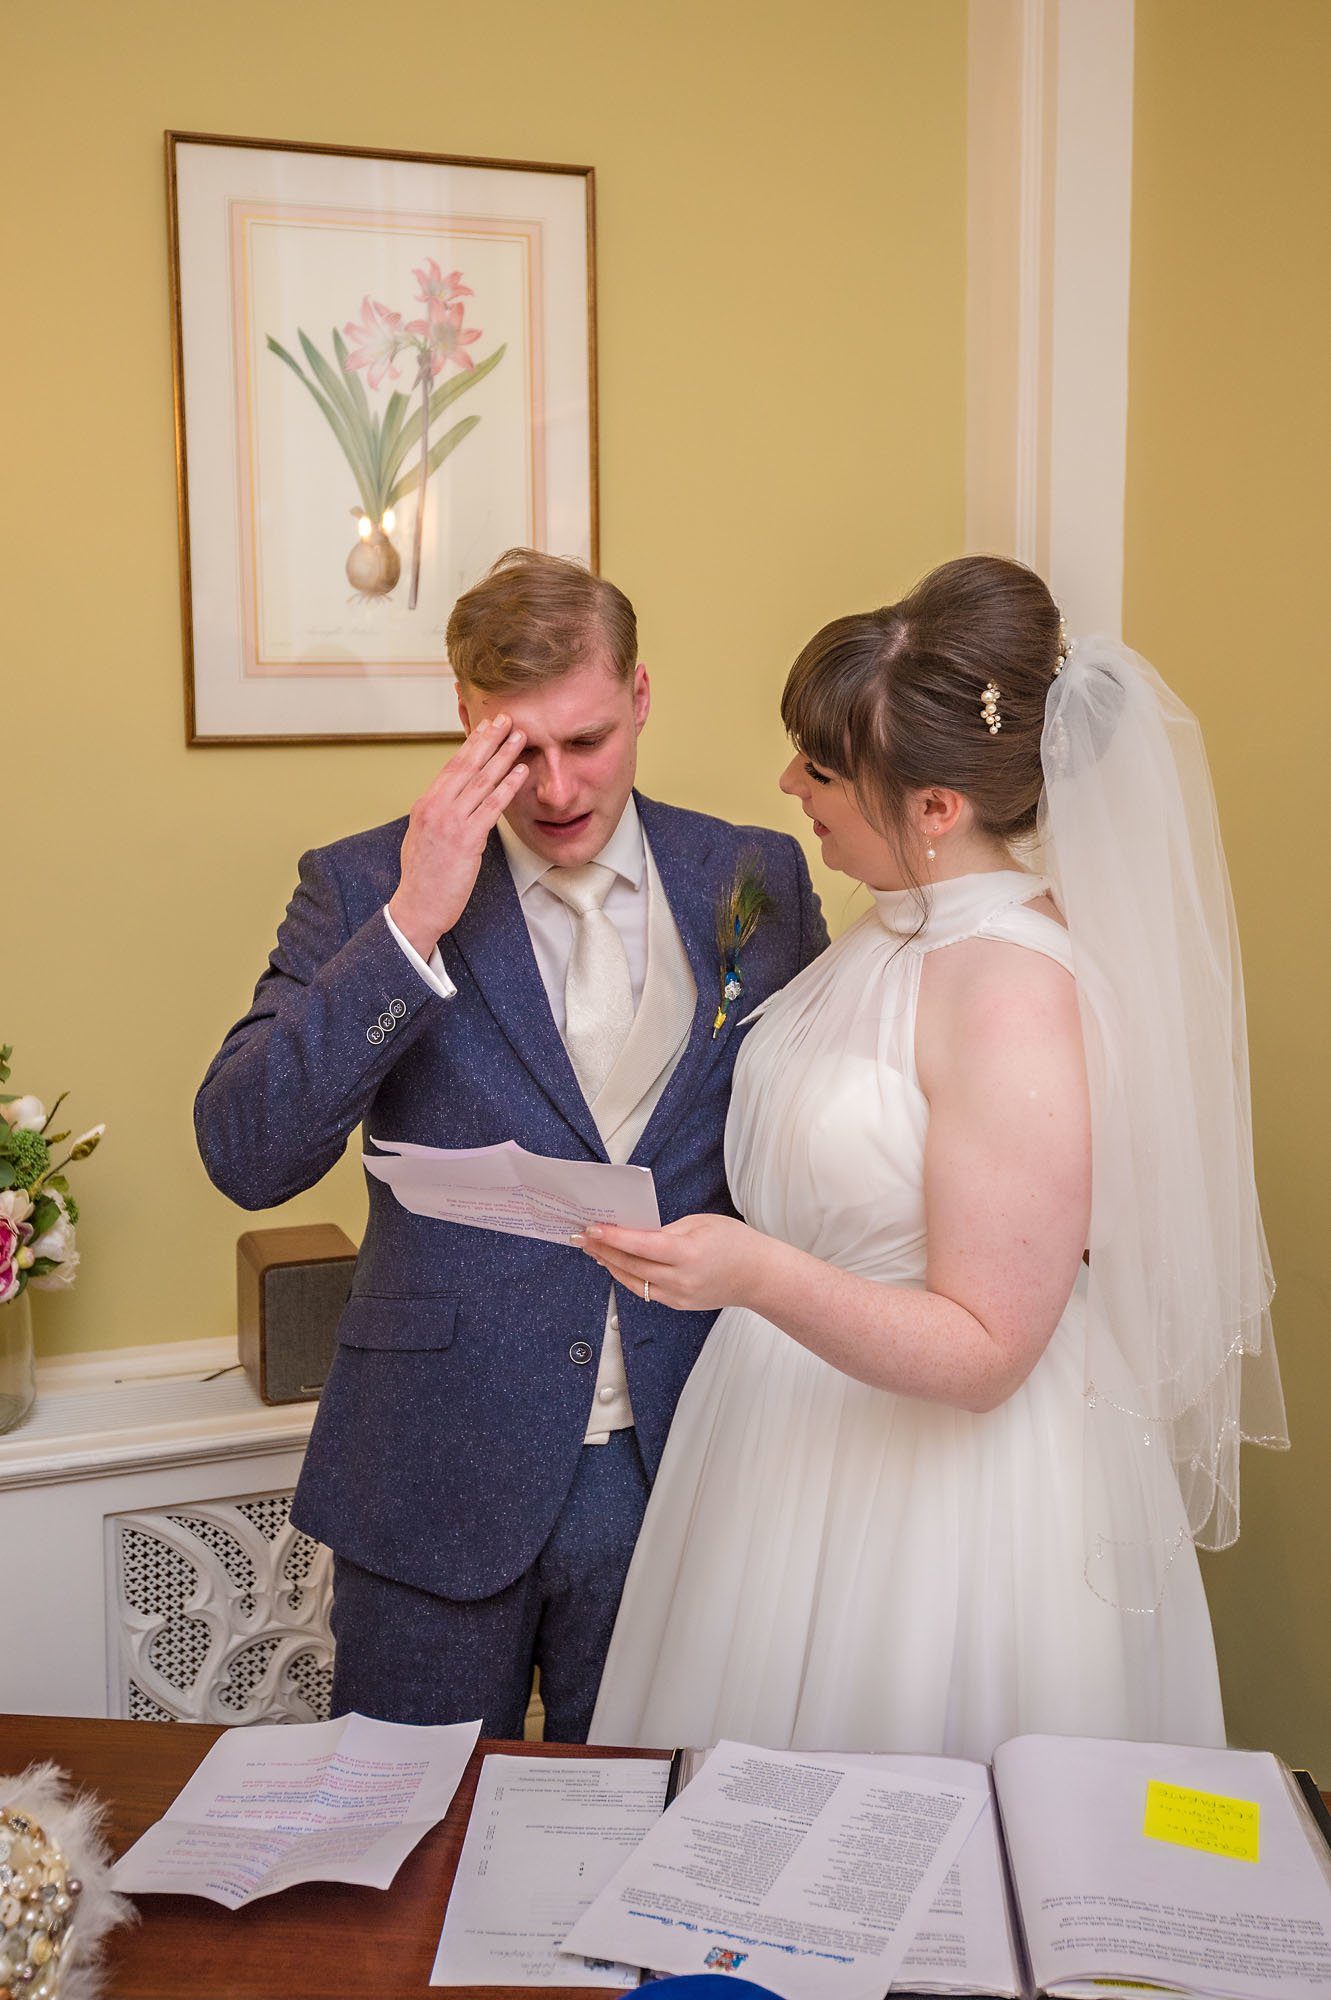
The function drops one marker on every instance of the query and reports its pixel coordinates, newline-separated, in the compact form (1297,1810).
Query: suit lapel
(492,937)
(686,877)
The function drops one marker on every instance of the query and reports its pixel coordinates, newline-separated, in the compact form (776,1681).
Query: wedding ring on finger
(646,1291)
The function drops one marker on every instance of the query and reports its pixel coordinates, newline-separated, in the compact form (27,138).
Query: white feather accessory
(56,1902)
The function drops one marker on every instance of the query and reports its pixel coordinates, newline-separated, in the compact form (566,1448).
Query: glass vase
(18,1380)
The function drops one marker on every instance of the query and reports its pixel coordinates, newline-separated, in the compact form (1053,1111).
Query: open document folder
(1099,1868)
(810,1874)
(519,1193)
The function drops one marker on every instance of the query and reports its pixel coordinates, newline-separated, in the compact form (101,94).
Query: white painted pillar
(1049,242)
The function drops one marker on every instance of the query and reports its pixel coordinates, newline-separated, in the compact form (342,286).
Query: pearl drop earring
(929,854)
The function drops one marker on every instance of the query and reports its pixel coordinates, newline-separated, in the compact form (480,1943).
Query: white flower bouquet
(38,1214)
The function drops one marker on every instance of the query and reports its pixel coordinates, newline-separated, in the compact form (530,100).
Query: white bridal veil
(1179,1343)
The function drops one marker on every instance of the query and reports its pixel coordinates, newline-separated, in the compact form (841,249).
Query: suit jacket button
(580,1352)
(397,1008)
(375,1035)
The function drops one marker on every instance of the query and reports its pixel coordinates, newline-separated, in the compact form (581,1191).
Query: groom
(531,955)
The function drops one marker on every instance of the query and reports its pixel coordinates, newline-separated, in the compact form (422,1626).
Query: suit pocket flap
(375,1319)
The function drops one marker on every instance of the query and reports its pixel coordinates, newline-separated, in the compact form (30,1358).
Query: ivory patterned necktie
(598,992)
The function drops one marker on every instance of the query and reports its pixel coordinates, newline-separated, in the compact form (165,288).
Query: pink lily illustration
(376,342)
(434,285)
(377,445)
(440,338)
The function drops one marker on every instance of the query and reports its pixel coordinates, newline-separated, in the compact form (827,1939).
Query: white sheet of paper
(516,1192)
(964,1942)
(1102,1900)
(279,1803)
(545,1836)
(797,1870)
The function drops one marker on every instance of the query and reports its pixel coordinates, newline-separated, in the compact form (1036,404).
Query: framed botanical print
(384,377)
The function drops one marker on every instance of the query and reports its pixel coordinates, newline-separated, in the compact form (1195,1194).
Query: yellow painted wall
(781,252)
(1227,535)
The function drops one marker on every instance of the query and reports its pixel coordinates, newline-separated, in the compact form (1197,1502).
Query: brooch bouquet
(38,1214)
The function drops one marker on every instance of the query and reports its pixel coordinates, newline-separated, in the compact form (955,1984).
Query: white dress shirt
(550,921)
(549,924)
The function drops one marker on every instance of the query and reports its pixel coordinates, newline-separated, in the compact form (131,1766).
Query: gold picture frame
(329,306)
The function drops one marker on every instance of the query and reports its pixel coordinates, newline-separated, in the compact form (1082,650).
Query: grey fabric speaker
(291,1286)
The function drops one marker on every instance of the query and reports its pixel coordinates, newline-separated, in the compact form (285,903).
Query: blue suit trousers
(405,1655)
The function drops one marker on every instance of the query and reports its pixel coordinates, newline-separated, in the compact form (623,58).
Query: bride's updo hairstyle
(891,700)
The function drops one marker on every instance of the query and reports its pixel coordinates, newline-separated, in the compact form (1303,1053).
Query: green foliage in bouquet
(38,1214)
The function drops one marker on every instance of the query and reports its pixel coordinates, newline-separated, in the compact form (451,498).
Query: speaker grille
(301,1307)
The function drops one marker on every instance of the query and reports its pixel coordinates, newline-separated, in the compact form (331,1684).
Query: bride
(937,1476)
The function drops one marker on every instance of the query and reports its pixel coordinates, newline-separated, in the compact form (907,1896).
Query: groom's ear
(463,715)
(642,696)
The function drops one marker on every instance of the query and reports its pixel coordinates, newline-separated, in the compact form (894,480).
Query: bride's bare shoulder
(977,973)
(995,996)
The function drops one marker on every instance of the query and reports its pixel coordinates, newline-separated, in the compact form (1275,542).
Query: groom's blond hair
(533,617)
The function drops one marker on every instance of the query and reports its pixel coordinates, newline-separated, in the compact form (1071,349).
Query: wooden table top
(321,1941)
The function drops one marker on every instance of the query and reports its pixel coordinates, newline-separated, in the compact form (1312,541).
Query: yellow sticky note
(1205,1820)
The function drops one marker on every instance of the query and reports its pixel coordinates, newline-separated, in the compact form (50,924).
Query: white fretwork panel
(218,1612)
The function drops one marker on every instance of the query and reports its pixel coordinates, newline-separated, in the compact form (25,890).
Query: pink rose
(15,1232)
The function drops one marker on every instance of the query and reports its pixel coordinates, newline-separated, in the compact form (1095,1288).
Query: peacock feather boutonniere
(738,916)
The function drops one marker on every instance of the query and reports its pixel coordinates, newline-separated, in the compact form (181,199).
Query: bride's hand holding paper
(698,1264)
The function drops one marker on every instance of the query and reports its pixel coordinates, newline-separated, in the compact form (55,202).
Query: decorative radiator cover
(218,1612)
(151,1566)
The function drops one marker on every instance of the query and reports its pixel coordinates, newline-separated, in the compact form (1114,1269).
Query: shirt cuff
(431,970)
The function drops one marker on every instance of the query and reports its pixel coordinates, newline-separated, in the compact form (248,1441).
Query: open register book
(1094,1868)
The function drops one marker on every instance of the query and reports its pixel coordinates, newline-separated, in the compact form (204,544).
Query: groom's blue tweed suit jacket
(450,1427)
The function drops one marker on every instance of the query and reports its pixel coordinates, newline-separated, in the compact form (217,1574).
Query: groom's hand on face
(449,826)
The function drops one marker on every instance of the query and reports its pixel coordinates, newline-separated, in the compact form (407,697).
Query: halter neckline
(943,911)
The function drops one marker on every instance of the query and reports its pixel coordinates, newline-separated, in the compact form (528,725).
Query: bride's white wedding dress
(830,1566)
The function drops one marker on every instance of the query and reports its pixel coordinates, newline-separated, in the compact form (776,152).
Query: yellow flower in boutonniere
(741,911)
